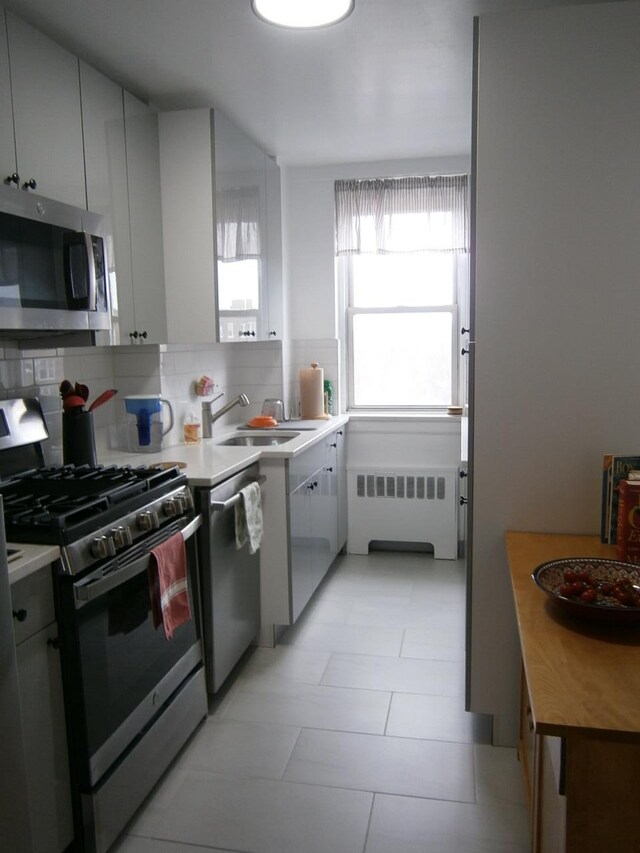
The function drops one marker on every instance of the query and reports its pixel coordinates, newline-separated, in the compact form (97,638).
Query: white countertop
(32,558)
(209,463)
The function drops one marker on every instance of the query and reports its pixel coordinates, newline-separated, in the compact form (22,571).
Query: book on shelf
(615,468)
(628,533)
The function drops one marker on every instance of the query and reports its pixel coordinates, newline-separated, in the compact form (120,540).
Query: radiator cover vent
(404,506)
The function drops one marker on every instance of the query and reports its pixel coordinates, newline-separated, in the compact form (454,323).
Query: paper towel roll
(311,391)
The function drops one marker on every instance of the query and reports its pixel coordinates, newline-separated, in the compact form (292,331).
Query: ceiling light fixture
(302,14)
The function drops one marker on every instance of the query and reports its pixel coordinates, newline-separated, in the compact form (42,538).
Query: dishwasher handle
(222,506)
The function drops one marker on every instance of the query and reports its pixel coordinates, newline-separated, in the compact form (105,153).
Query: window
(402,252)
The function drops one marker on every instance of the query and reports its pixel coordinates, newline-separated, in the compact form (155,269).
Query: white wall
(557,302)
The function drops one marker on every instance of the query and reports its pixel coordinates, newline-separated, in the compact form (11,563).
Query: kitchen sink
(271,440)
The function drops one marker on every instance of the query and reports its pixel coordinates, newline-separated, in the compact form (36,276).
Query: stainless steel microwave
(53,274)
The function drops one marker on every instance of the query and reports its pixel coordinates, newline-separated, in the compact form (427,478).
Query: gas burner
(56,503)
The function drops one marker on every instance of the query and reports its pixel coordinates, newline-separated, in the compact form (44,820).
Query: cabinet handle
(54,642)
(30,184)
(328,469)
(20,615)
(136,334)
(463,474)
(464,331)
(312,485)
(273,334)
(335,444)
(339,432)
(463,501)
(247,334)
(464,351)
(12,179)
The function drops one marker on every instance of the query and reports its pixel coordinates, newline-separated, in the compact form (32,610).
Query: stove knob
(121,536)
(103,546)
(173,507)
(148,520)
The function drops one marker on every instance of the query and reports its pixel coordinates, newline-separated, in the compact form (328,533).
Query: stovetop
(57,505)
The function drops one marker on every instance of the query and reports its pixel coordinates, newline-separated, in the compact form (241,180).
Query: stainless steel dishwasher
(230,579)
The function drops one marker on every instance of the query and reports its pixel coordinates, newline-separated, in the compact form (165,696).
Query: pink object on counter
(168,584)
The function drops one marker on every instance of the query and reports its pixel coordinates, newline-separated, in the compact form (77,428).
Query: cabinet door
(46,109)
(45,739)
(300,550)
(188,219)
(324,523)
(7,140)
(273,272)
(341,485)
(241,236)
(106,174)
(143,309)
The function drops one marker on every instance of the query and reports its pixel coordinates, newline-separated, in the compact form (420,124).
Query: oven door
(120,671)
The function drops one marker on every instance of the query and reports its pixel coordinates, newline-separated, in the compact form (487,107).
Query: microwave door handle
(88,590)
(91,268)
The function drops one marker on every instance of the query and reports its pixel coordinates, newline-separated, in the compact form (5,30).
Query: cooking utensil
(82,391)
(72,401)
(103,398)
(66,388)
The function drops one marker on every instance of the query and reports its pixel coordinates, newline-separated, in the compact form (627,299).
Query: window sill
(401,416)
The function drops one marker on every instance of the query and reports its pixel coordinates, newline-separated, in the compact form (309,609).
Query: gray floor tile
(266,816)
(409,825)
(404,675)
(287,663)
(436,718)
(236,748)
(131,844)
(498,775)
(418,768)
(311,707)
(346,638)
(434,643)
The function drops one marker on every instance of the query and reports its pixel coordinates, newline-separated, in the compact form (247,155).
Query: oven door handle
(223,506)
(88,589)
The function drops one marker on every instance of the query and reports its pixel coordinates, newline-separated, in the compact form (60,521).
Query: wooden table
(582,684)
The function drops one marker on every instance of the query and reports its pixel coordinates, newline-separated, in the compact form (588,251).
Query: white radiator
(404,505)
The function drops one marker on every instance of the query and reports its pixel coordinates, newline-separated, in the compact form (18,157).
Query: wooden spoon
(103,398)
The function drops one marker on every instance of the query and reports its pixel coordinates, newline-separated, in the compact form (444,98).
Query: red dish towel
(168,584)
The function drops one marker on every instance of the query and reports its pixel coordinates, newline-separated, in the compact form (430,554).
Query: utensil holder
(78,439)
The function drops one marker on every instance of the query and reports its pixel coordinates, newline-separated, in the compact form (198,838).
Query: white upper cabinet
(188,218)
(275,291)
(45,87)
(106,175)
(142,308)
(7,139)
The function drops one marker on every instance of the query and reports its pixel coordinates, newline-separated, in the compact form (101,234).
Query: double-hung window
(402,259)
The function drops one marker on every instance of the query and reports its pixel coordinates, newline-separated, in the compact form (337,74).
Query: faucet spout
(209,417)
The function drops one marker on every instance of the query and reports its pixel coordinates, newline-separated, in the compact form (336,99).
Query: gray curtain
(387,215)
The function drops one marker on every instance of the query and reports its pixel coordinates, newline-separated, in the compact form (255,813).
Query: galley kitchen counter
(30,559)
(208,463)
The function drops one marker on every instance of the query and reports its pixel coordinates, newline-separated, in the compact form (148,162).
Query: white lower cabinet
(42,712)
(303,529)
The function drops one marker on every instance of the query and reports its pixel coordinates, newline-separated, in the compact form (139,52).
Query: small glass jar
(191,429)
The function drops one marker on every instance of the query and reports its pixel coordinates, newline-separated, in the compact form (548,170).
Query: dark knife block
(78,438)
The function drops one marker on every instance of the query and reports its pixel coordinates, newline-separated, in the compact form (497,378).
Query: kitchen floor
(348,737)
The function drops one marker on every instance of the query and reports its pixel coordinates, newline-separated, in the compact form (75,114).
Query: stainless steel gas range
(132,696)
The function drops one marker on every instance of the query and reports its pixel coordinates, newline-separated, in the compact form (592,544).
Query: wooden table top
(583,677)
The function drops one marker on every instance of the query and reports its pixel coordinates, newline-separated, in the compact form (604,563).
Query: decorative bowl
(615,585)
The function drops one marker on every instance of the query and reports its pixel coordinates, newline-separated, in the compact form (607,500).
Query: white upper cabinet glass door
(7,139)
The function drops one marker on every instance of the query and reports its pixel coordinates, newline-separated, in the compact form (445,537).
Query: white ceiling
(393,81)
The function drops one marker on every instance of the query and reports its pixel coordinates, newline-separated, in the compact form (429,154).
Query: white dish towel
(248,518)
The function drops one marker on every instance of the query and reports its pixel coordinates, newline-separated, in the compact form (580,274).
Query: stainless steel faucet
(209,417)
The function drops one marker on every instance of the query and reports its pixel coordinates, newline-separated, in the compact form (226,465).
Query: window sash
(450,310)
